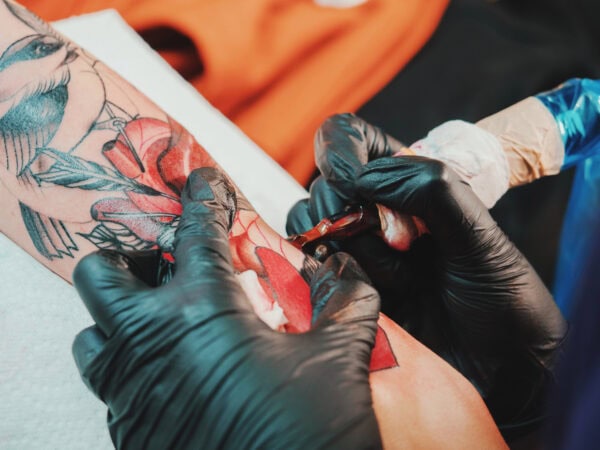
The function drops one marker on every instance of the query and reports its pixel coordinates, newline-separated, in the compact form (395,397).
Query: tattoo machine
(353,220)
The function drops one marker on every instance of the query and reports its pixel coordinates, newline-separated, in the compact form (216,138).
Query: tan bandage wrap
(530,138)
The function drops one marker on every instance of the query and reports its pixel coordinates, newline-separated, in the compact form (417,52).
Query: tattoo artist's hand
(189,365)
(464,290)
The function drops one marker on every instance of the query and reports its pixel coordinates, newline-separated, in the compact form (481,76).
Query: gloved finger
(107,286)
(341,294)
(86,346)
(323,202)
(343,144)
(204,274)
(299,219)
(430,190)
(201,244)
(413,185)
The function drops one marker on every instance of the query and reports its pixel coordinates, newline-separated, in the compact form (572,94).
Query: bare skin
(87,162)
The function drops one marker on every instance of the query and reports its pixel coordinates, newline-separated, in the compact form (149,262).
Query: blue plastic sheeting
(581,224)
(576,108)
(575,105)
(575,403)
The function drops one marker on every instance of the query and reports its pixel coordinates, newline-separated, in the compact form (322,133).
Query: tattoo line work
(133,173)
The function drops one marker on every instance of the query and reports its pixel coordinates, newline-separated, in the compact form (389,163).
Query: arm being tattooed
(87,162)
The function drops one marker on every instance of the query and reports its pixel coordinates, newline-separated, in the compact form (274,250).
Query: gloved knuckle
(437,176)
(297,215)
(93,262)
(319,187)
(338,119)
(84,266)
(204,212)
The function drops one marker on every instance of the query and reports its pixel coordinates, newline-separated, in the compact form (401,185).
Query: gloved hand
(190,365)
(464,290)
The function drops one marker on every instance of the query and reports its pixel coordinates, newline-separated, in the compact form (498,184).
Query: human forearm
(62,135)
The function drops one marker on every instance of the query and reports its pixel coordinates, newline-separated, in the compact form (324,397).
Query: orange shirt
(278,68)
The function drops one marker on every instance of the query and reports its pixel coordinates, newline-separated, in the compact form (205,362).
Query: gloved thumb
(201,244)
(203,261)
(306,213)
(343,298)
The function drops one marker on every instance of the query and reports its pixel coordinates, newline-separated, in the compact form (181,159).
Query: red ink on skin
(243,249)
(184,155)
(293,295)
(289,290)
(125,212)
(169,153)
(382,356)
(150,138)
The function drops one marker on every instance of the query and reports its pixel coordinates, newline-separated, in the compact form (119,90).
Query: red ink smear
(291,291)
(293,295)
(382,356)
(168,257)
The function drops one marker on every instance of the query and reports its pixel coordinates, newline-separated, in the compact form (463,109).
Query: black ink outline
(49,236)
(28,127)
(117,237)
(74,172)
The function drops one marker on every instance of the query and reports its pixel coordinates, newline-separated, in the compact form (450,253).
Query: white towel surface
(43,403)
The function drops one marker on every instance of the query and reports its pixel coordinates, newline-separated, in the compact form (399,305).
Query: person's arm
(225,379)
(87,162)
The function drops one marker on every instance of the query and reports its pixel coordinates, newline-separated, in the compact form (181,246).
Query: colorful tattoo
(70,131)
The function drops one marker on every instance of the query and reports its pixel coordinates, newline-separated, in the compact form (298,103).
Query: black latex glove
(465,290)
(190,366)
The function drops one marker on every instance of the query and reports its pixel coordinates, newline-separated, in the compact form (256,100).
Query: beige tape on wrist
(530,139)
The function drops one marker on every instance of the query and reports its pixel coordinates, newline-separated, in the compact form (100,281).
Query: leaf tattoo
(116,236)
(74,172)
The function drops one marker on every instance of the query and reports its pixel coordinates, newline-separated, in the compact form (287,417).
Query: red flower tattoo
(158,155)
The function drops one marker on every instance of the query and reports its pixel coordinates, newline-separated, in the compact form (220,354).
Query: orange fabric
(278,68)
